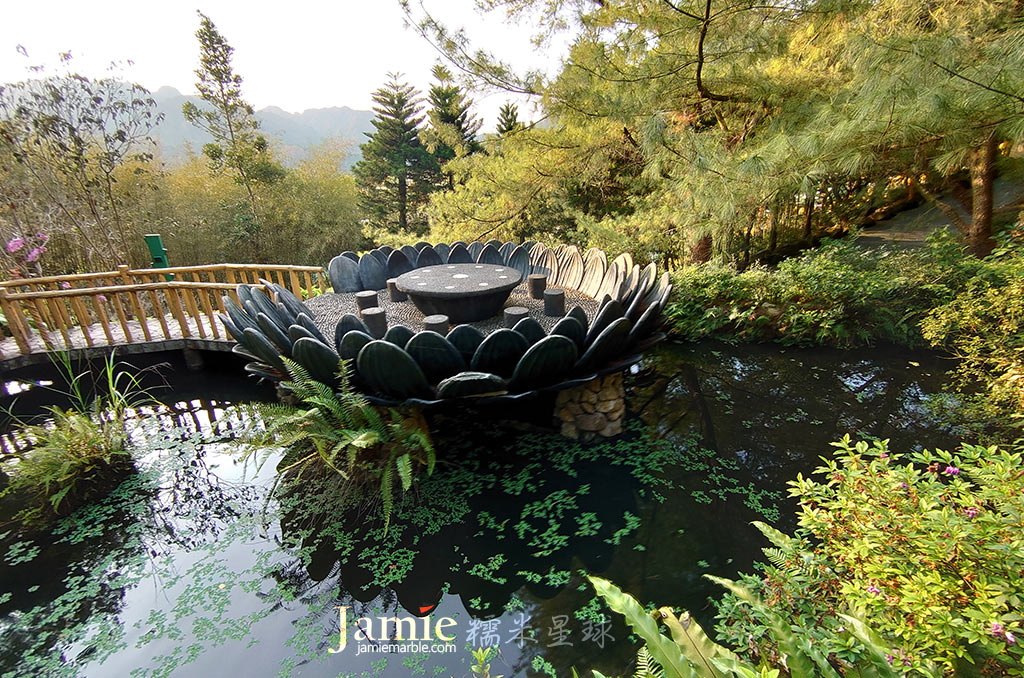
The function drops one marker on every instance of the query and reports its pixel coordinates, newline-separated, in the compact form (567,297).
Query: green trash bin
(158,253)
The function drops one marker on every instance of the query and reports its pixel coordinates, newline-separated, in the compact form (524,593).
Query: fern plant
(340,432)
(689,653)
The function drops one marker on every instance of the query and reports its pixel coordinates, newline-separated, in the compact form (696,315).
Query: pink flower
(971,511)
(952,470)
(43,237)
(1010,638)
(15,244)
(35,253)
(65,286)
(873,589)
(100,297)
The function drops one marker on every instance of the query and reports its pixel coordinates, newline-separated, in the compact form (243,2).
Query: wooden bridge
(131,310)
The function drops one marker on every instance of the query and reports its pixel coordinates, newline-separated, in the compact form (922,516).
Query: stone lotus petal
(610,312)
(399,263)
(494,242)
(442,249)
(499,352)
(386,249)
(318,358)
(419,245)
(580,315)
(391,371)
(570,268)
(506,251)
(296,332)
(262,348)
(307,322)
(543,363)
(544,262)
(381,255)
(372,271)
(399,335)
(647,323)
(435,355)
(349,254)
(352,343)
(458,254)
(531,330)
(272,332)
(343,272)
(348,323)
(467,339)
(570,328)
(593,275)
(429,256)
(475,248)
(411,253)
(606,345)
(489,255)
(520,260)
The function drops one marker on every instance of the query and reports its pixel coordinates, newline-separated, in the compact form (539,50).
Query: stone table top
(455,281)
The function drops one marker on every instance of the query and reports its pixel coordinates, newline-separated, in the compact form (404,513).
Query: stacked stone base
(594,410)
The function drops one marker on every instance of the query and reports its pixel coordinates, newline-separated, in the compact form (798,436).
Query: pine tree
(237,148)
(396,173)
(508,119)
(453,127)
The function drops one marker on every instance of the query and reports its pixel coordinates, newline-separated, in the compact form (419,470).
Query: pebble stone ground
(328,309)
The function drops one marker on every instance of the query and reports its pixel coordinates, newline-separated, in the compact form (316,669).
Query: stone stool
(394,293)
(366,299)
(376,321)
(554,302)
(513,314)
(536,283)
(437,323)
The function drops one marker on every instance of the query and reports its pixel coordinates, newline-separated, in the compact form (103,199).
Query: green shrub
(983,326)
(81,453)
(929,546)
(838,295)
(339,441)
(687,652)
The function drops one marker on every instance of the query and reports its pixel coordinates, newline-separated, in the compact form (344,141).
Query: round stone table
(463,292)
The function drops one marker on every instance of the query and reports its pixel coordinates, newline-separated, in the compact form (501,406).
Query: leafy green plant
(483,656)
(81,453)
(341,433)
(690,653)
(927,545)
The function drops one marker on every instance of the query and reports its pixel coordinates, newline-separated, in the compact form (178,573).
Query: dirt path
(911,228)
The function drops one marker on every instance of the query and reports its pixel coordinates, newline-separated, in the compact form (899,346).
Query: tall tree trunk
(403,203)
(773,229)
(809,214)
(700,252)
(983,174)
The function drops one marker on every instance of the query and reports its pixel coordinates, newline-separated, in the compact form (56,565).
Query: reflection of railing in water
(129,306)
(215,417)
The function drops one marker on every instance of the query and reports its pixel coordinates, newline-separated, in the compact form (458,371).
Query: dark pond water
(188,569)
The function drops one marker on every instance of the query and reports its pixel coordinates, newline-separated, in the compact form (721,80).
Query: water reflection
(192,561)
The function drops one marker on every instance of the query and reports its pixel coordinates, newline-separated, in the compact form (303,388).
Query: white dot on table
(460,276)
(414,277)
(503,277)
(499,270)
(478,267)
(483,284)
(449,287)
(423,283)
(450,267)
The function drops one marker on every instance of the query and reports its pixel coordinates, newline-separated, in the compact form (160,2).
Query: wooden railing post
(16,321)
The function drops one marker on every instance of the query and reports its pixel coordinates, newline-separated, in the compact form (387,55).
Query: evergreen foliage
(237,148)
(508,119)
(453,128)
(396,173)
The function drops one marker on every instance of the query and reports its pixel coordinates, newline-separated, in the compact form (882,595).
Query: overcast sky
(296,55)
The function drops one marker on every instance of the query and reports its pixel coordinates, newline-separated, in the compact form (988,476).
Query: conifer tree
(508,119)
(237,148)
(453,127)
(396,173)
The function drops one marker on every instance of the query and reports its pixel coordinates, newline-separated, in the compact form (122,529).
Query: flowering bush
(928,546)
(22,255)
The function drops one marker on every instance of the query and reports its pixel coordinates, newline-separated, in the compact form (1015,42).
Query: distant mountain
(294,133)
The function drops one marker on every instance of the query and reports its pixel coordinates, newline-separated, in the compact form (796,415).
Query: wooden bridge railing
(129,306)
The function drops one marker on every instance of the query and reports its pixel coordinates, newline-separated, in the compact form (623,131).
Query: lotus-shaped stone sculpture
(402,364)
